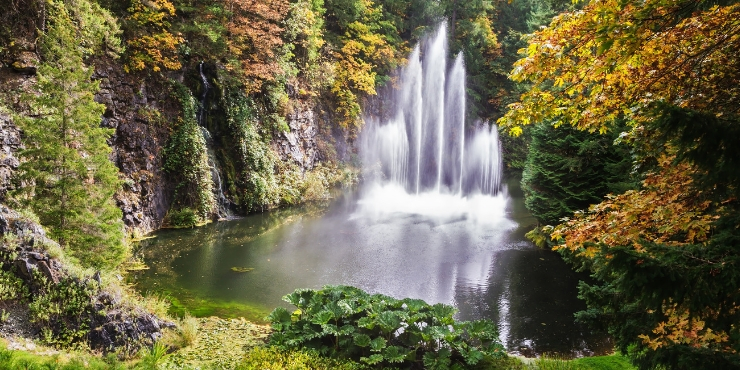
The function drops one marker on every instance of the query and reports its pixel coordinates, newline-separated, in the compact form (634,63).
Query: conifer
(68,178)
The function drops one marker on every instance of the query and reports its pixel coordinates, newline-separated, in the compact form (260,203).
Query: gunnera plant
(346,322)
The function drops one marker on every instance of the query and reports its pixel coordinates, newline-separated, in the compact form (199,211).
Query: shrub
(63,311)
(11,287)
(271,358)
(185,217)
(346,322)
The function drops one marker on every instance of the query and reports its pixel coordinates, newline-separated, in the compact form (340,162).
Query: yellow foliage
(681,328)
(615,58)
(666,211)
(151,44)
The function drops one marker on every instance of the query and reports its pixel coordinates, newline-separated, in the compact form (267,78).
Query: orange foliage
(667,211)
(255,38)
(681,328)
(615,58)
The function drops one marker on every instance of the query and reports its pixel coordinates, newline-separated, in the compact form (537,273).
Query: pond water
(479,262)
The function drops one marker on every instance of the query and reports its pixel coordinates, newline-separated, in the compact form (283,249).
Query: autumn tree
(67,178)
(619,59)
(149,41)
(254,39)
(364,57)
(664,256)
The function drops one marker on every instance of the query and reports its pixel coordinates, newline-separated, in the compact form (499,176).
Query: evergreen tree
(568,170)
(69,180)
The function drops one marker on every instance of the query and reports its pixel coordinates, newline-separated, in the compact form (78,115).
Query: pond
(480,263)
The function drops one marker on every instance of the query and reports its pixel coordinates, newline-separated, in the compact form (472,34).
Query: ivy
(186,159)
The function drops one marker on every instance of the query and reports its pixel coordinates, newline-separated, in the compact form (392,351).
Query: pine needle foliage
(68,177)
(568,170)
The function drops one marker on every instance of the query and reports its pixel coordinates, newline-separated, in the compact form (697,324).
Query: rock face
(114,325)
(139,110)
(299,144)
(122,329)
(10,142)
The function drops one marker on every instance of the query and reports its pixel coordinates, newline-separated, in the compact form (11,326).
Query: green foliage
(186,159)
(202,24)
(346,322)
(97,30)
(471,26)
(63,311)
(272,358)
(152,357)
(260,179)
(13,360)
(69,179)
(184,217)
(568,170)
(514,150)
(304,29)
(11,287)
(256,161)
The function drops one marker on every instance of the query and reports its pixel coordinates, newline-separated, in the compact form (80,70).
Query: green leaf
(388,321)
(373,359)
(361,340)
(330,329)
(443,313)
(395,354)
(279,316)
(366,322)
(377,344)
(472,356)
(322,317)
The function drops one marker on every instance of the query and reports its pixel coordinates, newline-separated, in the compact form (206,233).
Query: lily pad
(242,269)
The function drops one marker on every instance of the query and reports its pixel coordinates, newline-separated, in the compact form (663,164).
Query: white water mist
(425,160)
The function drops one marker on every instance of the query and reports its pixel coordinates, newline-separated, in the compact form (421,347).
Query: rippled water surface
(470,253)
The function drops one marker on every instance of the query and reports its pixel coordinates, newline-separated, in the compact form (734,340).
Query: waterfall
(221,201)
(426,146)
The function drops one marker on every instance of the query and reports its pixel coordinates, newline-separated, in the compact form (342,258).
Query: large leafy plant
(343,321)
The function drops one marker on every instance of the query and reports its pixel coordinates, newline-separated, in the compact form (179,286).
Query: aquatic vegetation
(242,269)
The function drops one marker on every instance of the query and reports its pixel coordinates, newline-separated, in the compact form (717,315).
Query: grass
(611,362)
(12,360)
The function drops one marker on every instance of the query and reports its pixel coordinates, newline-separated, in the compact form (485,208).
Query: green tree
(568,170)
(68,177)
